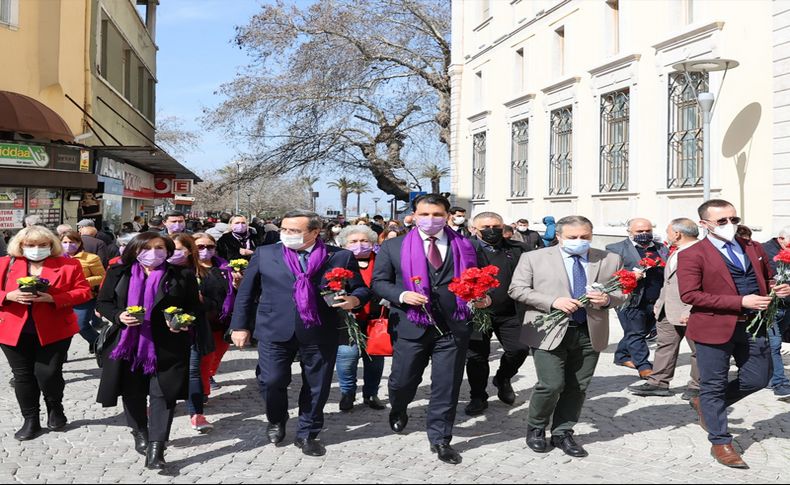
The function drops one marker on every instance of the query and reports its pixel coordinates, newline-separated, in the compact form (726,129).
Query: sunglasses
(725,220)
(201,247)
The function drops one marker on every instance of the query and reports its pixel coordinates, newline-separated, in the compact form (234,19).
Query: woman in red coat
(36,329)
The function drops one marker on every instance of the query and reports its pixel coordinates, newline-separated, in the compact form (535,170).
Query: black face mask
(492,236)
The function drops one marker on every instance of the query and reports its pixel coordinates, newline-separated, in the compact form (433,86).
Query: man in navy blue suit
(428,323)
(283,283)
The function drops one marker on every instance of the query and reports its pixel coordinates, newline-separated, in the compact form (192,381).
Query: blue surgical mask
(578,247)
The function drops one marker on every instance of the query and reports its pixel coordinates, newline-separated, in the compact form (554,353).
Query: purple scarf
(227,305)
(137,343)
(305,294)
(414,263)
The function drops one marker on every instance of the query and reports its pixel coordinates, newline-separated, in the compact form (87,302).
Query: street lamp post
(706,102)
(238,184)
(376,203)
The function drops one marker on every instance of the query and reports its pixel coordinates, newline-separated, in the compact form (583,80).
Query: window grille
(519,158)
(479,166)
(561,153)
(615,114)
(684,146)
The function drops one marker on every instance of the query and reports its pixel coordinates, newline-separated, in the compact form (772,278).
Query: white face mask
(295,241)
(458,220)
(37,254)
(522,228)
(336,230)
(726,232)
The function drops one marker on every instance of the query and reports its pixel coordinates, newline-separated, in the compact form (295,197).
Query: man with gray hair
(63,229)
(637,316)
(671,316)
(779,381)
(493,249)
(566,354)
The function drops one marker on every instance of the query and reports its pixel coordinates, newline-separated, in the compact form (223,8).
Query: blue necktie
(734,257)
(579,288)
(303,260)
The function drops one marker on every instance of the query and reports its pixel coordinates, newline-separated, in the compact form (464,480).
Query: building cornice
(485,23)
(523,99)
(564,84)
(479,116)
(689,36)
(538,16)
(615,64)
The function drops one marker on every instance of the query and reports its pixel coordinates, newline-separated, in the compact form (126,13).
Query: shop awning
(24,115)
(150,159)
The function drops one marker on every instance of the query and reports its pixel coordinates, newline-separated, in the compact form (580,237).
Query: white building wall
(781,114)
(653,36)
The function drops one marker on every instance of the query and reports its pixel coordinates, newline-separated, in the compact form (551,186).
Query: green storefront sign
(23,155)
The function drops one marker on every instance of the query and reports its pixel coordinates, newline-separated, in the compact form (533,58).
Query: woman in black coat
(238,243)
(147,359)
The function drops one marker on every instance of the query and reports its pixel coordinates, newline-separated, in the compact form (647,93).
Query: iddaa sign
(23,155)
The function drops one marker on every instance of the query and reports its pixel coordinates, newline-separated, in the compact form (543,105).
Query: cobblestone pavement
(653,440)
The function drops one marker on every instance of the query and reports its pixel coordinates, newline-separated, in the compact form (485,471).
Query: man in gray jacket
(565,355)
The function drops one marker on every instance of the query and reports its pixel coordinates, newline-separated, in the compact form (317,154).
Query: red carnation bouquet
(473,287)
(623,280)
(648,263)
(335,287)
(768,316)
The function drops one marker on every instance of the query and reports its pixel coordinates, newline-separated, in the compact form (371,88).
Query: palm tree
(359,188)
(434,173)
(309,181)
(344,185)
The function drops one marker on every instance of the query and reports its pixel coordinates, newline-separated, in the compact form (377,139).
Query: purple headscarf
(137,343)
(305,294)
(414,263)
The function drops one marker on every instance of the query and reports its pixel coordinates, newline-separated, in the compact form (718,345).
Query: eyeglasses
(201,247)
(725,220)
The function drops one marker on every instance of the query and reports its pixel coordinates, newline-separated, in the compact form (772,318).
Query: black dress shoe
(56,420)
(310,446)
(29,430)
(647,389)
(476,407)
(567,444)
(155,455)
(398,421)
(536,440)
(374,402)
(275,432)
(140,441)
(447,454)
(505,390)
(347,402)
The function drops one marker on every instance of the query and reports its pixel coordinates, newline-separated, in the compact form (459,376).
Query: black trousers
(37,369)
(318,366)
(508,332)
(447,355)
(160,420)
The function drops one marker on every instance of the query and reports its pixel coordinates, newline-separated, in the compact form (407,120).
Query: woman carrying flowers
(144,357)
(38,292)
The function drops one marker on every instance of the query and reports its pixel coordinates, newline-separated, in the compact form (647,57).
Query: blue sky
(196,55)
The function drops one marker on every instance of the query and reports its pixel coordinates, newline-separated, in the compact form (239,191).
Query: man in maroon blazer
(725,279)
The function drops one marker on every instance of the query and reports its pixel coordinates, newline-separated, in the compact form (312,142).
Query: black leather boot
(140,441)
(56,419)
(29,430)
(155,455)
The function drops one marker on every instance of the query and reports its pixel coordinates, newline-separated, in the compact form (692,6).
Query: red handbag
(379,341)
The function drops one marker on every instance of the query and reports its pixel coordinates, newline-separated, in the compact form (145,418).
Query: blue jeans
(347,366)
(195,401)
(85,316)
(636,323)
(775,339)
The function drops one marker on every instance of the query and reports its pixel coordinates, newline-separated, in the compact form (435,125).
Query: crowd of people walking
(162,302)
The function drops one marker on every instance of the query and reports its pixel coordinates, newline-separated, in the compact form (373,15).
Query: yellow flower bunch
(238,264)
(185,319)
(27,281)
(134,310)
(173,310)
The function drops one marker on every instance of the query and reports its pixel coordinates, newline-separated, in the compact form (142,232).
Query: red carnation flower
(783,256)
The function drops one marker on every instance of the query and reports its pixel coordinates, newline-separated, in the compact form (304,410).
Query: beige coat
(540,279)
(669,300)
